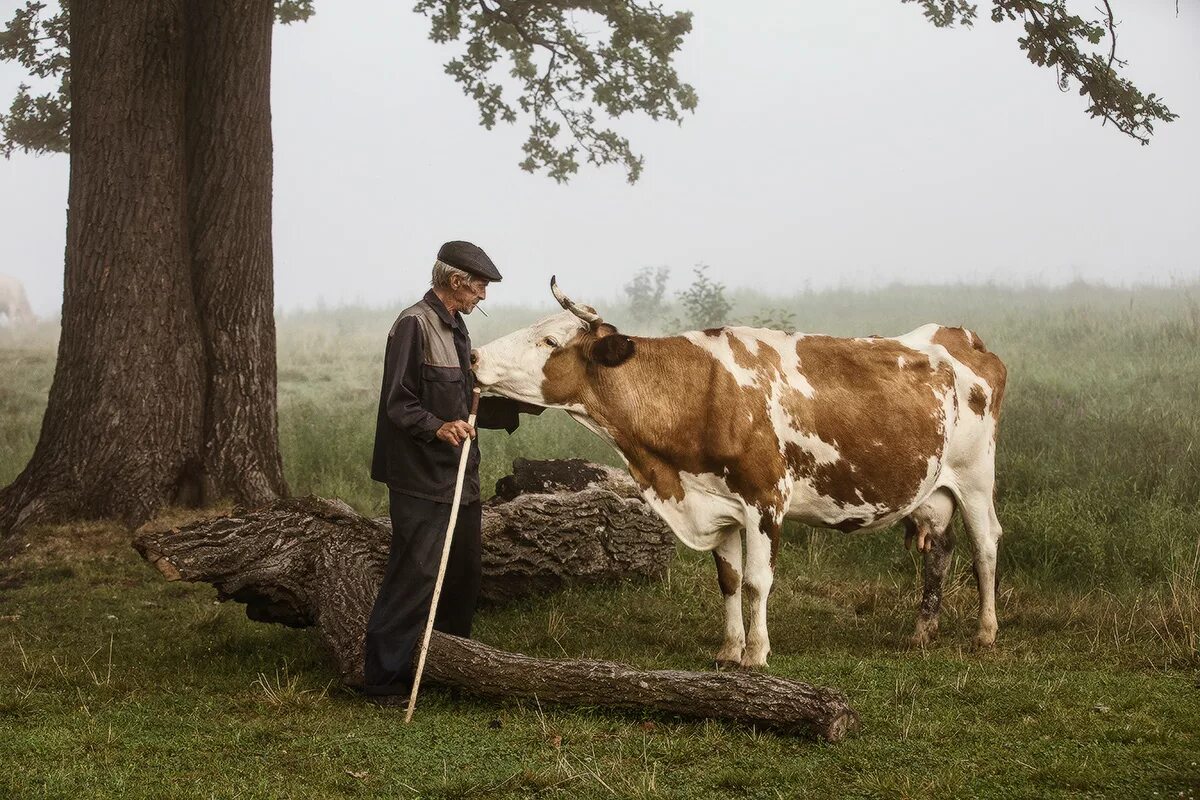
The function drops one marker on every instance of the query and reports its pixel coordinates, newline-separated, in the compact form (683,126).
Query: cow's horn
(583,312)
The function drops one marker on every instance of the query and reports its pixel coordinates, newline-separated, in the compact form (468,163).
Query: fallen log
(554,523)
(751,698)
(316,562)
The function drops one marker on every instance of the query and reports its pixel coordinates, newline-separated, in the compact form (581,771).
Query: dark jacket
(427,381)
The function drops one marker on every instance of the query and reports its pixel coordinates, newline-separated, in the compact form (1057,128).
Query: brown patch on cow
(851,525)
(654,405)
(713,332)
(885,421)
(727,576)
(977,400)
(966,347)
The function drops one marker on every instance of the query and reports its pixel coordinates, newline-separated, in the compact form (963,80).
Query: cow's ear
(612,350)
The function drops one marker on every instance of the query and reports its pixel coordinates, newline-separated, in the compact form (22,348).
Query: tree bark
(165,386)
(311,561)
(750,698)
(229,157)
(125,409)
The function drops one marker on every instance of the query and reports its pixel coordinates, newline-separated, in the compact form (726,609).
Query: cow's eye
(550,341)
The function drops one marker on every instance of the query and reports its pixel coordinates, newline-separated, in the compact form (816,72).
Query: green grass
(113,683)
(116,684)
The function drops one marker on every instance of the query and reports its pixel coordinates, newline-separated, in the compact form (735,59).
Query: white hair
(443,272)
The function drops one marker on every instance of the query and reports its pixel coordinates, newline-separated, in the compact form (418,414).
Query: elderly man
(422,424)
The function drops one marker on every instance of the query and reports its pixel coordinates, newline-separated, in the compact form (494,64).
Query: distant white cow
(13,303)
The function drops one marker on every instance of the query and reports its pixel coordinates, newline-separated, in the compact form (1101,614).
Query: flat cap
(469,258)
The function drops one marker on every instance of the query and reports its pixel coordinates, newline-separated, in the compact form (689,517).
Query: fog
(835,145)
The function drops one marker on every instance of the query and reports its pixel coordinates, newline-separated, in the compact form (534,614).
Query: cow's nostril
(474,357)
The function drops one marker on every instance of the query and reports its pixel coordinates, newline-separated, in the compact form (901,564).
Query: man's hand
(455,432)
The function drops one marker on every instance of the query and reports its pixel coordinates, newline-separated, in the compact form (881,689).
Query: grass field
(115,684)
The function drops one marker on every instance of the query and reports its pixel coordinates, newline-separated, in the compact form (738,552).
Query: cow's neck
(643,406)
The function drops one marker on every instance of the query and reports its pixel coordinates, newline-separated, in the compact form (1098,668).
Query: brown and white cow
(732,430)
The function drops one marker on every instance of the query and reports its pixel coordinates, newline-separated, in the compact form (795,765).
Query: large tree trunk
(125,410)
(229,156)
(165,386)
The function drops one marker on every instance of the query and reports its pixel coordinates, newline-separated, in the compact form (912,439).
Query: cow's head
(546,363)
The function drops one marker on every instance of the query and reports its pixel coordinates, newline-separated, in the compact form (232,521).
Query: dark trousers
(402,605)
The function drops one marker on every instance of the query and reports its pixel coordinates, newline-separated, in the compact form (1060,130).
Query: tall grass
(1099,468)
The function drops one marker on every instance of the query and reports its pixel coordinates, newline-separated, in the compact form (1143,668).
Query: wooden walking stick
(437,587)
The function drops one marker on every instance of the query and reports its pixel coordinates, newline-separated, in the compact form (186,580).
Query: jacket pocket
(443,392)
(441,374)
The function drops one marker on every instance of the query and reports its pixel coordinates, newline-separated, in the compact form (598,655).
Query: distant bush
(645,293)
(779,319)
(704,302)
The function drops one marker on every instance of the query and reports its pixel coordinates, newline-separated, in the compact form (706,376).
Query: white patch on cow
(721,350)
(514,365)
(921,340)
(708,509)
(752,339)
(813,508)
(901,362)
(822,451)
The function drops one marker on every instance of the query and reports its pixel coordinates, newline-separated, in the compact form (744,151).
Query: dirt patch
(79,541)
(41,546)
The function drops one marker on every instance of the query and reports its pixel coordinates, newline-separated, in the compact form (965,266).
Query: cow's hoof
(725,664)
(754,662)
(926,632)
(985,640)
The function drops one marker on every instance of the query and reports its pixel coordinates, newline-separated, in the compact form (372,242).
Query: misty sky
(834,144)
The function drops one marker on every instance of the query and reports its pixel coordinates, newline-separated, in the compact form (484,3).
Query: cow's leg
(979,517)
(929,525)
(939,547)
(728,557)
(761,542)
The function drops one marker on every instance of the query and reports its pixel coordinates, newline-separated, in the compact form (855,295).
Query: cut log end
(162,564)
(840,727)
(168,570)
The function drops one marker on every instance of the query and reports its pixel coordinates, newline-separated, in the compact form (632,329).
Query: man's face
(467,293)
